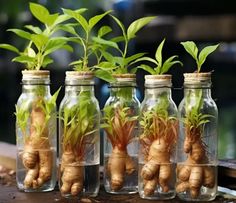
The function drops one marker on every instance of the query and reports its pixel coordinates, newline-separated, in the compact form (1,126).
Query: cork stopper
(77,78)
(158,80)
(36,76)
(197,77)
(128,77)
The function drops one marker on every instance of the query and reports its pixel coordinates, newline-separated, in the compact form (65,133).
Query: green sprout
(41,43)
(79,124)
(199,57)
(120,64)
(161,66)
(86,40)
(194,119)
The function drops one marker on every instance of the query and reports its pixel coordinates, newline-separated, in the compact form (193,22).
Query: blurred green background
(204,21)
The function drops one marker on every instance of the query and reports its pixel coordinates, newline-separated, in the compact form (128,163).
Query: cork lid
(79,78)
(35,74)
(127,77)
(79,75)
(197,77)
(158,80)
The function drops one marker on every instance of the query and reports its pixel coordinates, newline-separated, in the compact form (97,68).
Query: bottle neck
(76,89)
(36,89)
(196,92)
(36,86)
(125,90)
(158,92)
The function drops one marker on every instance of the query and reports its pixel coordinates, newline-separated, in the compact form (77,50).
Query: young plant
(121,64)
(161,67)
(119,126)
(120,120)
(79,127)
(34,118)
(199,57)
(192,178)
(40,43)
(159,131)
(85,40)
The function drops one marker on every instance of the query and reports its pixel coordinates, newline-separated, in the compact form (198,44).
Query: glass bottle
(197,144)
(36,134)
(121,136)
(158,138)
(79,145)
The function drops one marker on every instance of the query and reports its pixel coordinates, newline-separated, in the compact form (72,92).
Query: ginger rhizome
(193,173)
(158,139)
(37,155)
(79,129)
(119,124)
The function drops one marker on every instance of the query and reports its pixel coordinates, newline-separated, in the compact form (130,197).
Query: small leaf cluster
(41,42)
(161,66)
(119,124)
(120,64)
(78,120)
(85,38)
(199,57)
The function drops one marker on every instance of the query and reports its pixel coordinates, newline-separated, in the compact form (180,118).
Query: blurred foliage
(226,133)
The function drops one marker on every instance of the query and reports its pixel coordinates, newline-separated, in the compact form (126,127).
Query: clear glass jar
(79,145)
(121,136)
(158,138)
(197,144)
(36,134)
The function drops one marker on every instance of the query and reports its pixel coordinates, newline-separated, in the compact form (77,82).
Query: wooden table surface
(10,194)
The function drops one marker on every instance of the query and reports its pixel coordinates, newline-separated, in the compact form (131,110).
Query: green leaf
(105,42)
(76,63)
(105,65)
(67,28)
(191,48)
(21,33)
(169,63)
(158,54)
(76,15)
(147,68)
(39,40)
(120,24)
(118,39)
(134,70)
(94,20)
(137,25)
(147,59)
(133,57)
(39,12)
(67,48)
(23,59)
(9,47)
(52,19)
(104,75)
(104,30)
(204,53)
(47,60)
(61,19)
(34,29)
(108,57)
(54,44)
